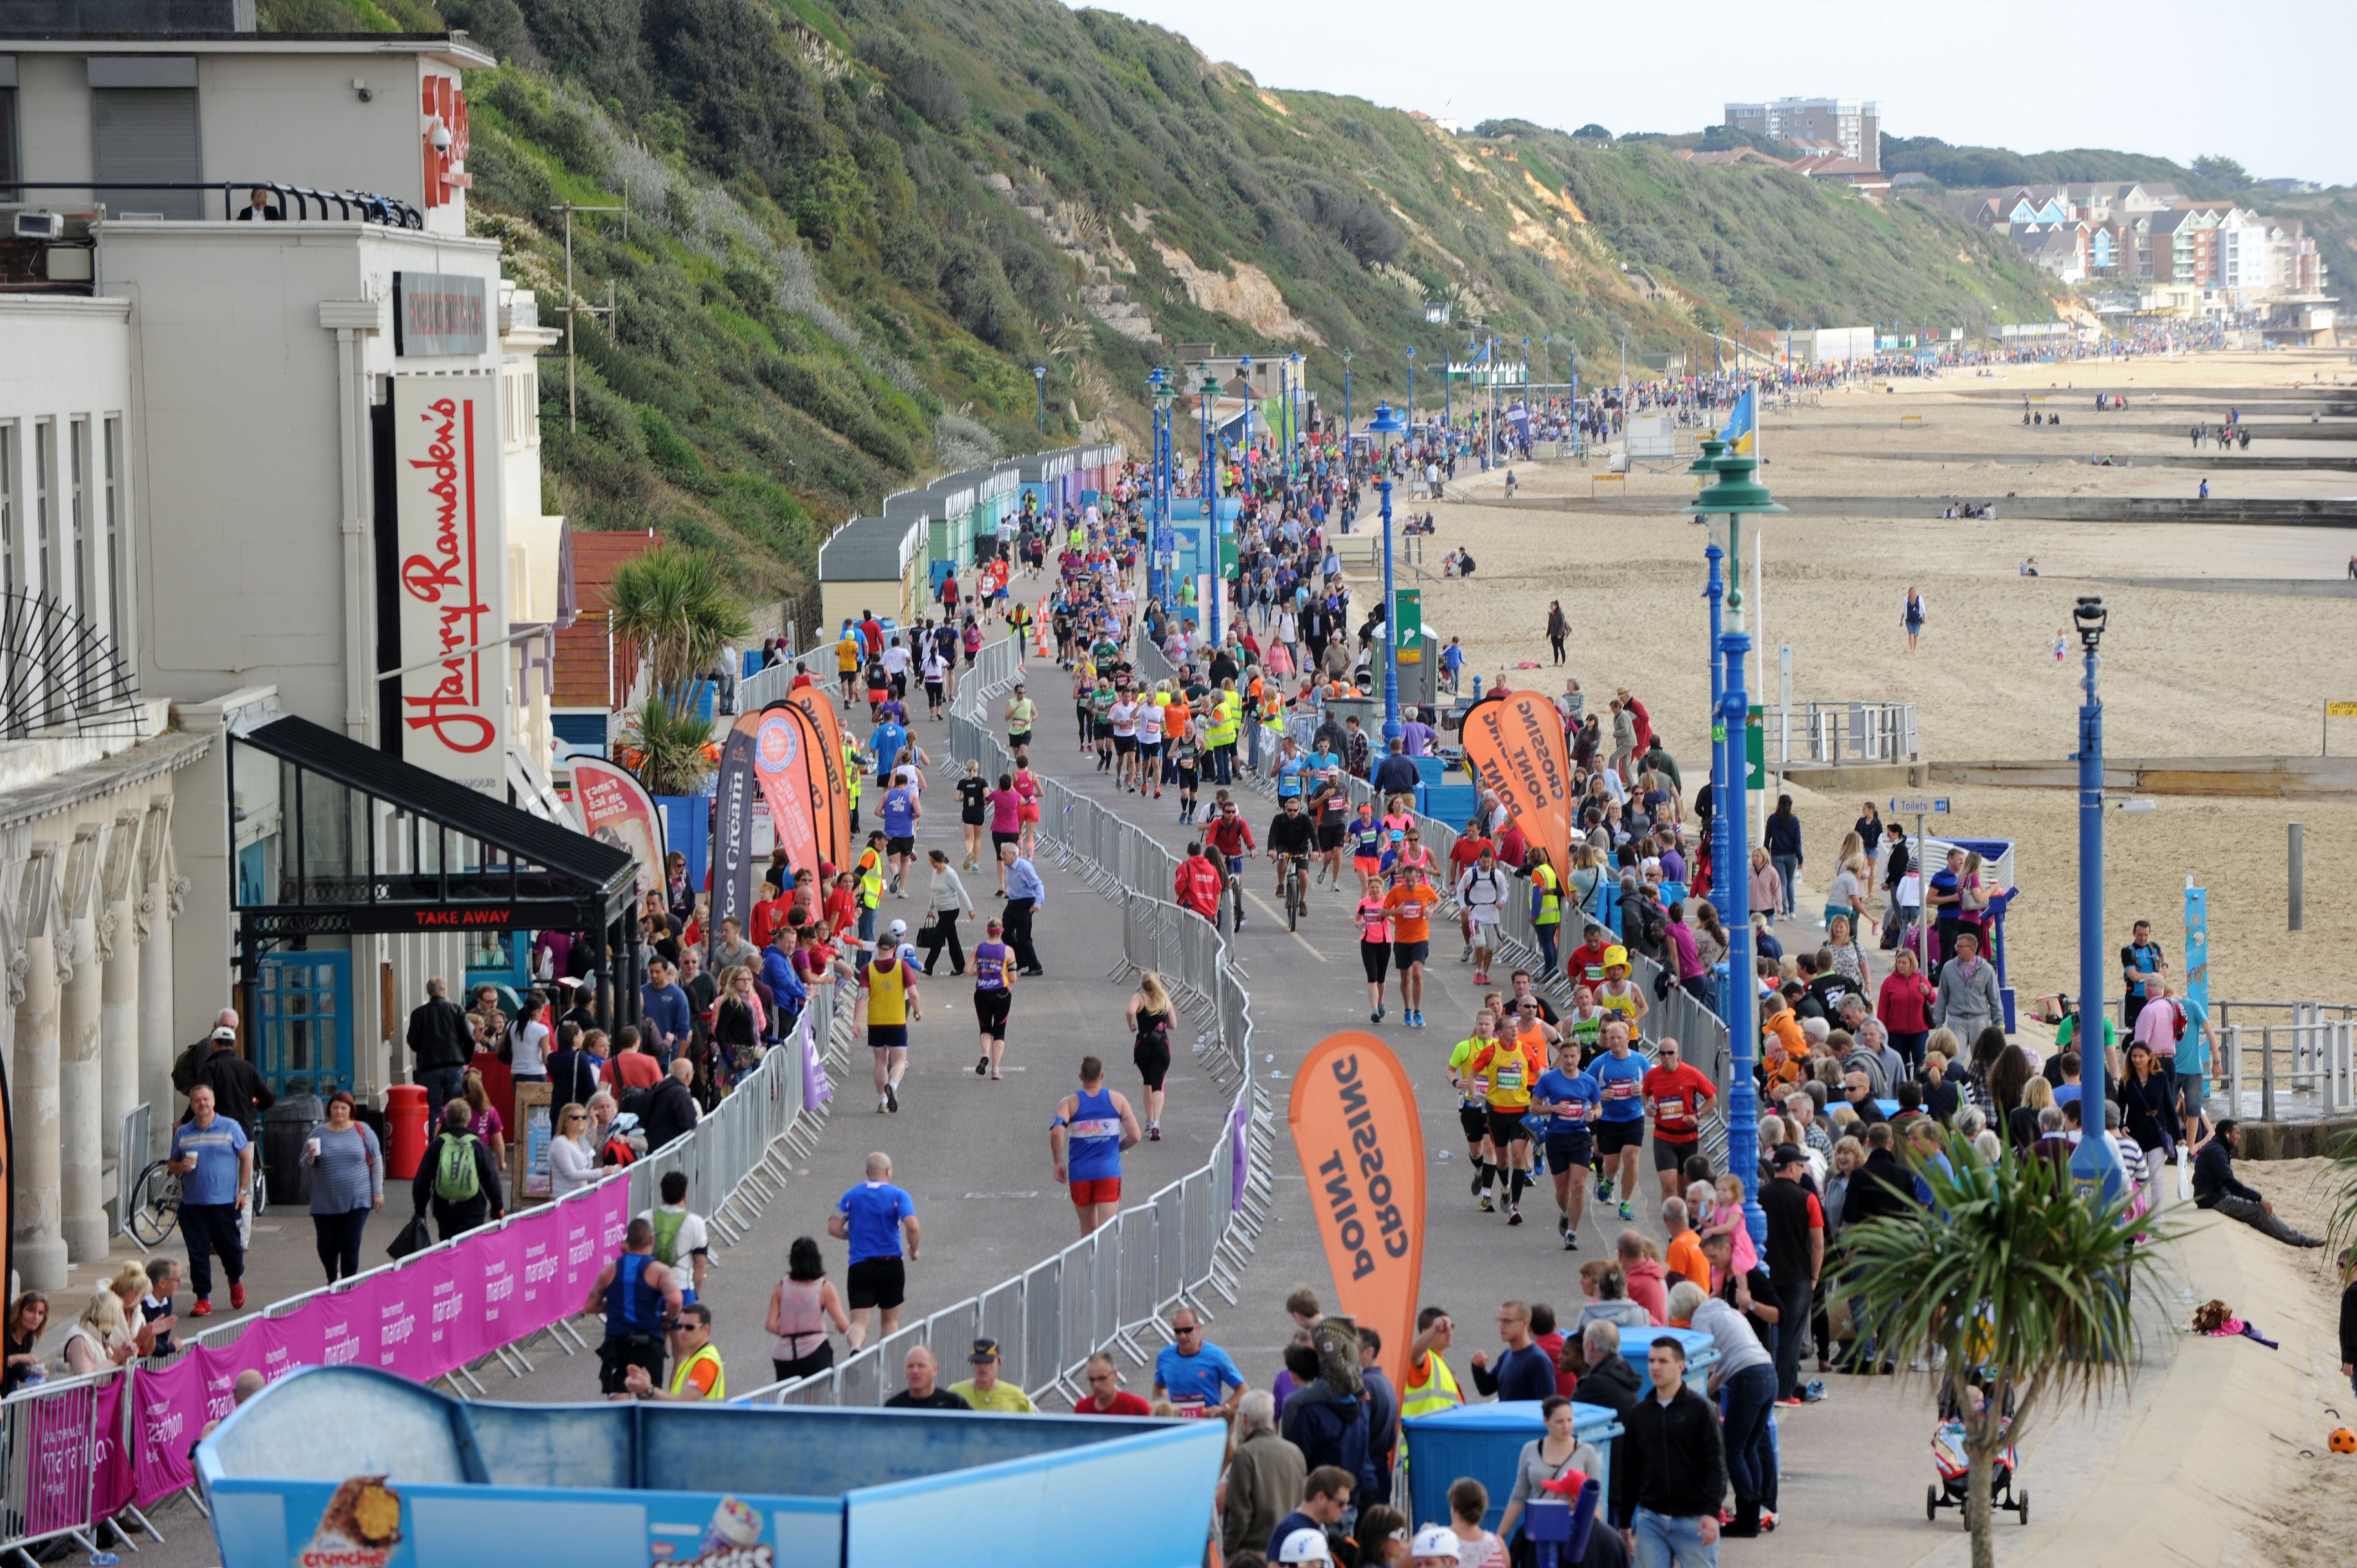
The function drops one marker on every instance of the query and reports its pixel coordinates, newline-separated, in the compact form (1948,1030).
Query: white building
(1850,126)
(284,468)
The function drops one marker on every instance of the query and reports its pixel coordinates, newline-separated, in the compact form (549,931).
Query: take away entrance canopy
(331,838)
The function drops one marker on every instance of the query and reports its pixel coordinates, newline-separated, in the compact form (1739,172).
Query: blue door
(303,1015)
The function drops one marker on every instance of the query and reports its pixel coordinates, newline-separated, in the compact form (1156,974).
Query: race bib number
(1670,1108)
(1412,911)
(1509,1078)
(1620,1088)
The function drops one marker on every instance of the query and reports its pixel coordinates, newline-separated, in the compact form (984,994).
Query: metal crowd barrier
(2309,1064)
(1106,1292)
(736,1160)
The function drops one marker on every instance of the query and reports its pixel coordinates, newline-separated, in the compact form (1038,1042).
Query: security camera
(361,86)
(441,138)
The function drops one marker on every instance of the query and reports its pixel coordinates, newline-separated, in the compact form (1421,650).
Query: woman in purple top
(1691,973)
(994,995)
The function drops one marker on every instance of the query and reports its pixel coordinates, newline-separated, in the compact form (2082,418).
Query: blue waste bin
(1484,1441)
(1637,1343)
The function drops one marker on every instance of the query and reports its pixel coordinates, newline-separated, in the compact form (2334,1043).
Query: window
(78,509)
(8,467)
(45,462)
(8,169)
(114,460)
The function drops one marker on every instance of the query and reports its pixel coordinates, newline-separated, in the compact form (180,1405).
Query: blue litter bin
(1484,1441)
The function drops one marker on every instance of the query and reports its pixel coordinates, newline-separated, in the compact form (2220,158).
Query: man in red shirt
(1675,1091)
(1196,884)
(1106,1396)
(1586,965)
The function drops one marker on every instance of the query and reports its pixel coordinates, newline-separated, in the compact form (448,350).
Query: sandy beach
(2184,672)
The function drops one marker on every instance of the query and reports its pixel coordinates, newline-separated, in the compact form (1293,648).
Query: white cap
(224,1034)
(1310,1546)
(1434,1541)
(899,927)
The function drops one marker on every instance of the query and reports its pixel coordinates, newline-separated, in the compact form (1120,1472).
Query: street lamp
(1160,395)
(2095,1170)
(1243,375)
(1738,494)
(1039,380)
(1411,389)
(1383,428)
(1346,412)
(1209,393)
(1292,423)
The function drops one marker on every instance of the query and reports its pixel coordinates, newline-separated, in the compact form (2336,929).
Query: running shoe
(1604,1191)
(1766,1519)
(1792,1403)
(237,1295)
(202,1309)
(1627,1212)
(1481,977)
(994,1078)
(1477,1192)
(1811,1391)
(1376,1016)
(1562,1224)
(1154,1132)
(1514,1214)
(1467,956)
(879,1105)
(1571,1240)
(981,1066)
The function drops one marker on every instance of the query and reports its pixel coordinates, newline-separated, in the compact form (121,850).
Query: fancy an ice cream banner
(437,1312)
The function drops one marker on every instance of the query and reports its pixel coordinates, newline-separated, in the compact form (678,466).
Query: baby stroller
(1954,1486)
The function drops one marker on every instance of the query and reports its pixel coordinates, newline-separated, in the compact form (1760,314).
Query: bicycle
(1293,875)
(154,1210)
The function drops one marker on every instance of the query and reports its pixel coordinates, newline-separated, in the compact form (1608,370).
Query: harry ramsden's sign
(452,571)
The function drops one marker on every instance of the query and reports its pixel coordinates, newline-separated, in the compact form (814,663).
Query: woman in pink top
(1026,790)
(1006,823)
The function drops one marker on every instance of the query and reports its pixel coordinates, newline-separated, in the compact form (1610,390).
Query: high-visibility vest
(871,878)
(851,773)
(1437,1392)
(719,1389)
(1550,896)
(1230,721)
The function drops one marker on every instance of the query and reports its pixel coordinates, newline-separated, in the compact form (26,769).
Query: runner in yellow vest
(700,1375)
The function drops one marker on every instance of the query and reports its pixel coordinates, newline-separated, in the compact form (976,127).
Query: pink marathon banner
(439,1311)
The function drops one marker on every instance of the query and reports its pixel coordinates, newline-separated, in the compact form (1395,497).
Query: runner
(1511,1065)
(1483,891)
(1584,1027)
(1569,1098)
(888,986)
(1375,948)
(1021,714)
(1186,749)
(1365,836)
(1150,719)
(875,1217)
(1471,844)
(1620,1075)
(1618,993)
(1327,805)
(1473,1102)
(973,812)
(1151,1017)
(1092,1130)
(847,661)
(1675,1092)
(1411,902)
(901,811)
(1123,716)
(993,996)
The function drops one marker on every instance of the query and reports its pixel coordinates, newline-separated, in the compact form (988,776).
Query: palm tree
(669,748)
(2011,1277)
(675,605)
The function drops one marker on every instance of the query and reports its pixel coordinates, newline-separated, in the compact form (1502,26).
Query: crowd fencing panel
(1108,1291)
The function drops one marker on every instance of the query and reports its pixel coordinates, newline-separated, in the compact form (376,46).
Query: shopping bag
(2184,1174)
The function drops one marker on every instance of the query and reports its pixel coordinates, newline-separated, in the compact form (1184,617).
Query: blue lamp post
(1159,394)
(1383,428)
(1411,388)
(1208,393)
(2095,1170)
(1243,375)
(1039,381)
(1346,412)
(1705,467)
(1292,420)
(1738,494)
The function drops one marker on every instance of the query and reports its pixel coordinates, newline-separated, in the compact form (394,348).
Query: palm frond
(669,747)
(675,605)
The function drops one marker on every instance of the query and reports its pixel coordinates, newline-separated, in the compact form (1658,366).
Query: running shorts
(1102,1189)
(1475,1119)
(876,1281)
(990,1010)
(1611,1137)
(1568,1151)
(1669,1153)
(887,1036)
(1507,1127)
(1406,953)
(902,846)
(1329,835)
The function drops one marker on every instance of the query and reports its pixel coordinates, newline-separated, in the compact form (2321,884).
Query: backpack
(456,1178)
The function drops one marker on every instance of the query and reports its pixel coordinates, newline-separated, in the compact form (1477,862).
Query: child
(1725,1218)
(2061,643)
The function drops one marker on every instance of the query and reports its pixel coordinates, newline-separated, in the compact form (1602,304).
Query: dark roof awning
(333,836)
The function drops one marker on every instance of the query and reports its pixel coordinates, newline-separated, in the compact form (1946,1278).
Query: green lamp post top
(1737,491)
(1705,464)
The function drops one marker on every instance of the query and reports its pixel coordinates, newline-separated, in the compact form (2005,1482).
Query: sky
(2165,77)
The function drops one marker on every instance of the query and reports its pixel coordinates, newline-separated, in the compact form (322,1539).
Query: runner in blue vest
(1087,1137)
(901,812)
(639,1299)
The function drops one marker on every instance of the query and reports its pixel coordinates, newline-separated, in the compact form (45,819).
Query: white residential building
(1851,126)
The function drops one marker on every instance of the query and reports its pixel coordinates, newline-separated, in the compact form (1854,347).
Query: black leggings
(339,1241)
(818,1360)
(945,930)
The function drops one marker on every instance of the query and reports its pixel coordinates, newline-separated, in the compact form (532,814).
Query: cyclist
(1569,1099)
(1290,840)
(1620,1075)
(1473,1102)
(1511,1064)
(1411,902)
(1230,837)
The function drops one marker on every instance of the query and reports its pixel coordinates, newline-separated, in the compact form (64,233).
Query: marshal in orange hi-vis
(1514,746)
(1362,1146)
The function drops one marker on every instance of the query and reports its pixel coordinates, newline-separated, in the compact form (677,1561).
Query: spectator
(1523,1372)
(1105,1395)
(671,1109)
(1666,1498)
(1326,1423)
(347,1185)
(2216,1187)
(459,1178)
(801,1308)
(214,1160)
(698,1374)
(1265,1475)
(572,1157)
(439,1044)
(922,1373)
(983,1390)
(1968,999)
(1325,1503)
(683,1241)
(239,1093)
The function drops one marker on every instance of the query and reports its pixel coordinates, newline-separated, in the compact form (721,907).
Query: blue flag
(1743,424)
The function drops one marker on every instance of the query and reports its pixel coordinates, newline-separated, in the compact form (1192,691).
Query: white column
(161,890)
(33,991)
(118,992)
(78,1115)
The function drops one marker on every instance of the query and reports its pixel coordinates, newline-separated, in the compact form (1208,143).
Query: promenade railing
(1113,1290)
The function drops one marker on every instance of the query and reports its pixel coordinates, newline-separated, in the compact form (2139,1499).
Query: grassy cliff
(857,224)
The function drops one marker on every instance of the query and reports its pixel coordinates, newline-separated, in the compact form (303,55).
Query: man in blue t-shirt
(900,810)
(1569,1101)
(886,742)
(2140,962)
(1193,1373)
(1290,766)
(1620,1076)
(873,1217)
(214,1161)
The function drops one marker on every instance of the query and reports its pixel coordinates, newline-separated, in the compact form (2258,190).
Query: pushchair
(1953,1489)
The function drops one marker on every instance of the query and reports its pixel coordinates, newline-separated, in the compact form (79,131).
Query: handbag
(413,1237)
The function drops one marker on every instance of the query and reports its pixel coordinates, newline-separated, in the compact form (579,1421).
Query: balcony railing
(298,202)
